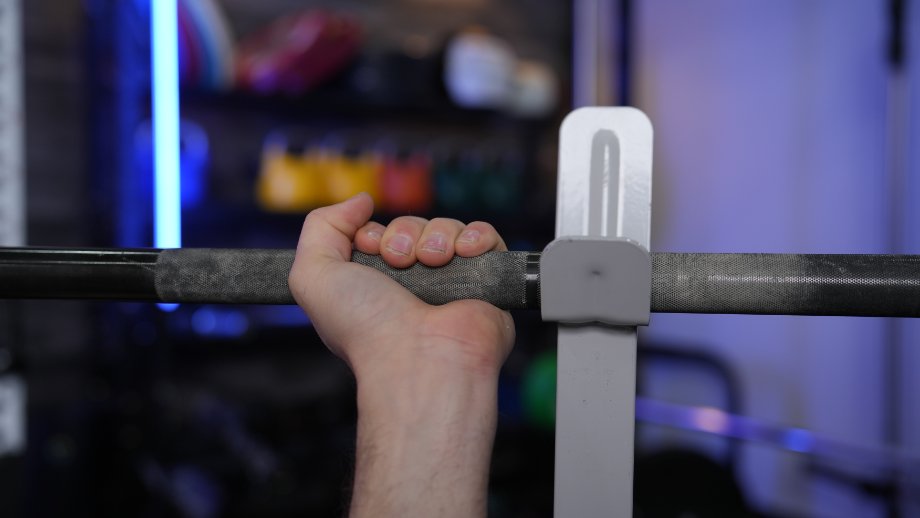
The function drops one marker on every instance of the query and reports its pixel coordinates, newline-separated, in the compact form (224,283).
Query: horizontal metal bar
(773,284)
(61,273)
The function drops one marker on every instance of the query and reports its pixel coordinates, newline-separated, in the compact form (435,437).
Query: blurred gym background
(780,127)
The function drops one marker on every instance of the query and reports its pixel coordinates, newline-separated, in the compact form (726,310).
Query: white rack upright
(12,175)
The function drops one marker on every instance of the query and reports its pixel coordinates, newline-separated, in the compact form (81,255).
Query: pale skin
(427,376)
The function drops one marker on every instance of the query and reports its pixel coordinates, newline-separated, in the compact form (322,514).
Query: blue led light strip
(750,430)
(164,44)
(164,39)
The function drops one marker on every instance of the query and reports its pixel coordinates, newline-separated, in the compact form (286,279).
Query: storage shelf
(246,225)
(339,104)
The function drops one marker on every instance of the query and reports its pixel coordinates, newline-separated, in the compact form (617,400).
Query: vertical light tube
(164,37)
(164,44)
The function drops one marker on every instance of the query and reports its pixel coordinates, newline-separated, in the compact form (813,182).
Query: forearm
(424,442)
(427,375)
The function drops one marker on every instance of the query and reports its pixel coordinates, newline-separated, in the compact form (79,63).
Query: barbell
(750,283)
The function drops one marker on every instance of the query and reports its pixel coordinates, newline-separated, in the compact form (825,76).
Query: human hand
(367,319)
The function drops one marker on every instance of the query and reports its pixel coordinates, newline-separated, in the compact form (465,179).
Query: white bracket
(605,186)
(586,279)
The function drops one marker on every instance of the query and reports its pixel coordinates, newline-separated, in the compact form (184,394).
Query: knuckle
(407,223)
(446,222)
(315,216)
(484,226)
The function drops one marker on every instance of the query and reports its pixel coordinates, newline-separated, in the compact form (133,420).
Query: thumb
(329,231)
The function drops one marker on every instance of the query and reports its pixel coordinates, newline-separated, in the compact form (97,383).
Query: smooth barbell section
(64,273)
(773,284)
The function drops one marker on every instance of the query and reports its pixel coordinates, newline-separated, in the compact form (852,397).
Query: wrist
(414,382)
(423,425)
(429,358)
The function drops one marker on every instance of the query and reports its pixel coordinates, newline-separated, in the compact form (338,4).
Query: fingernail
(436,242)
(374,234)
(469,236)
(400,244)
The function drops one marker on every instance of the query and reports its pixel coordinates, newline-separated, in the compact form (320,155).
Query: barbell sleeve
(773,284)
